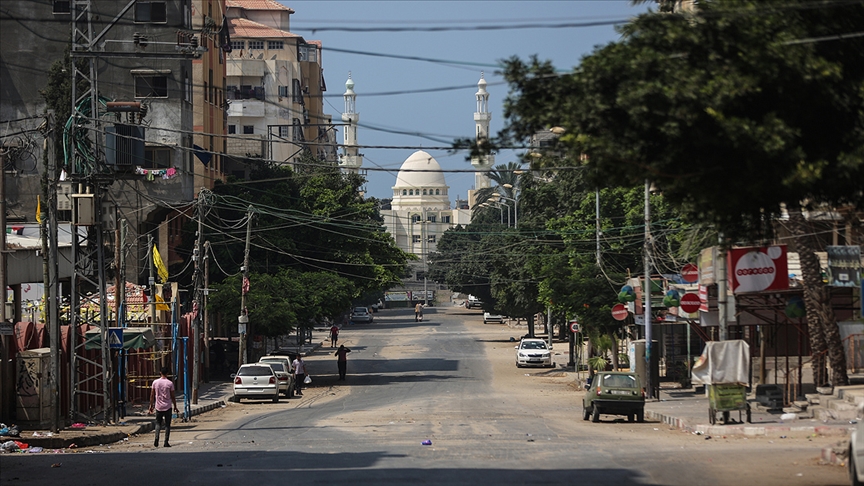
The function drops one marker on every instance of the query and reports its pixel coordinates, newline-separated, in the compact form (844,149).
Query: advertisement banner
(844,266)
(706,265)
(396,296)
(756,269)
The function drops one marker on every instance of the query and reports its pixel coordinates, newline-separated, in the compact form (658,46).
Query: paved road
(450,380)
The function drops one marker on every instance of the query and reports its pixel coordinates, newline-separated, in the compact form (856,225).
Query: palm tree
(501,175)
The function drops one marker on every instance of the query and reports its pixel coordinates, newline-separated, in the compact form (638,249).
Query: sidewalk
(210,396)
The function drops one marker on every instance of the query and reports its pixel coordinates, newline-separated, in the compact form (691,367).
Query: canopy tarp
(723,362)
(133,338)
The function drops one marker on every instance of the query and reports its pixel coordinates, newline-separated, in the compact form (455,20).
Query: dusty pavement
(489,429)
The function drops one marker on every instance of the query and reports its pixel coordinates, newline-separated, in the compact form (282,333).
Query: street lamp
(515,206)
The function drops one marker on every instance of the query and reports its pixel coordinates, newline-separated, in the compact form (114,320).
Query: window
(151,86)
(283,91)
(150,12)
(437,192)
(416,239)
(415,218)
(424,192)
(275,45)
(157,157)
(238,45)
(62,7)
(404,192)
(307,53)
(283,131)
(431,239)
(231,92)
(232,129)
(445,219)
(410,192)
(256,45)
(431,218)
(212,93)
(296,91)
(248,129)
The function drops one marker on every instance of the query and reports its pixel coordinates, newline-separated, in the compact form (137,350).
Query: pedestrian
(334,335)
(418,311)
(161,399)
(299,375)
(342,360)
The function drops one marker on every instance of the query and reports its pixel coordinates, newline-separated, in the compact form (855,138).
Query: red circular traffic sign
(574,326)
(690,303)
(619,312)
(690,273)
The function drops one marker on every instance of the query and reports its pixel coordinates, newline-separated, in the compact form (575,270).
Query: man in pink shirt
(161,399)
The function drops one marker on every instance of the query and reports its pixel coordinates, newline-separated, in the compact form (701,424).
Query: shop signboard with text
(755,269)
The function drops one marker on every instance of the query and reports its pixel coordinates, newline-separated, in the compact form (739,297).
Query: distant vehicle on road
(489,317)
(361,314)
(473,302)
(533,352)
(614,393)
(855,459)
(257,381)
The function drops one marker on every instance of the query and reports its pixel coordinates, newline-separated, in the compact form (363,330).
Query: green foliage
(731,111)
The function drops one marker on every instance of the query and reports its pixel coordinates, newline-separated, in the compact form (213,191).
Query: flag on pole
(38,209)
(160,265)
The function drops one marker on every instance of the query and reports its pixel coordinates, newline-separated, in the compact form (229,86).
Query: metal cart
(726,397)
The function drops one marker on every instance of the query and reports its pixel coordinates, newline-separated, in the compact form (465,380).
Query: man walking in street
(342,360)
(161,399)
(418,311)
(299,375)
(334,335)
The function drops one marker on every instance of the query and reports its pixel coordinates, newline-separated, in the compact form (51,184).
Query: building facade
(274,89)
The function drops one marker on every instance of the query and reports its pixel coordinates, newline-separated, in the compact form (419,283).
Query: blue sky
(450,58)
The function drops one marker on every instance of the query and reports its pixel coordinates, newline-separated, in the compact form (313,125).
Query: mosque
(420,211)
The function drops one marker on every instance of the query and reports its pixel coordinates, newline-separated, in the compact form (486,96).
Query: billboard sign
(844,265)
(755,269)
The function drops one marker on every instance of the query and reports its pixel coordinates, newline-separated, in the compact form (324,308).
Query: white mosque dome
(418,171)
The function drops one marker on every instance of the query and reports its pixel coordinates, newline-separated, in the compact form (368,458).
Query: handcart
(724,369)
(726,397)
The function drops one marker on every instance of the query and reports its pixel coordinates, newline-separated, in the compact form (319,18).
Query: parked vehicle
(361,314)
(489,317)
(257,381)
(614,393)
(533,352)
(284,373)
(855,459)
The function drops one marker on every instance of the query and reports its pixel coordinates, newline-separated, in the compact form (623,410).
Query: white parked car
(533,352)
(257,381)
(855,460)
(489,317)
(284,373)
(361,314)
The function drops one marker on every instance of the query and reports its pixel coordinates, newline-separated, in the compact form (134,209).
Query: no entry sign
(690,303)
(619,312)
(690,273)
(574,327)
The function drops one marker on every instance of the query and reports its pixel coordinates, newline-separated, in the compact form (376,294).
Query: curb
(749,430)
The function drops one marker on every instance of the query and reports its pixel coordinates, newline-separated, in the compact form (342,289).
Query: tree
(735,111)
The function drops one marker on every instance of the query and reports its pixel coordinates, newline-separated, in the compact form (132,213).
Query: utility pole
(196,329)
(152,282)
(597,222)
(6,374)
(646,293)
(722,290)
(243,318)
(206,258)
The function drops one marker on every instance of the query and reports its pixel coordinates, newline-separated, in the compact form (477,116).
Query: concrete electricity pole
(196,324)
(646,293)
(243,318)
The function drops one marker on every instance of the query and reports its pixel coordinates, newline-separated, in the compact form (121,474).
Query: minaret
(482,117)
(350,160)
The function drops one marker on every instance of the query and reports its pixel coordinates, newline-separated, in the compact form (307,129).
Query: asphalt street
(451,381)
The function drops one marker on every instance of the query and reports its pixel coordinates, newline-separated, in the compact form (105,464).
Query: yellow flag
(38,209)
(160,304)
(160,266)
